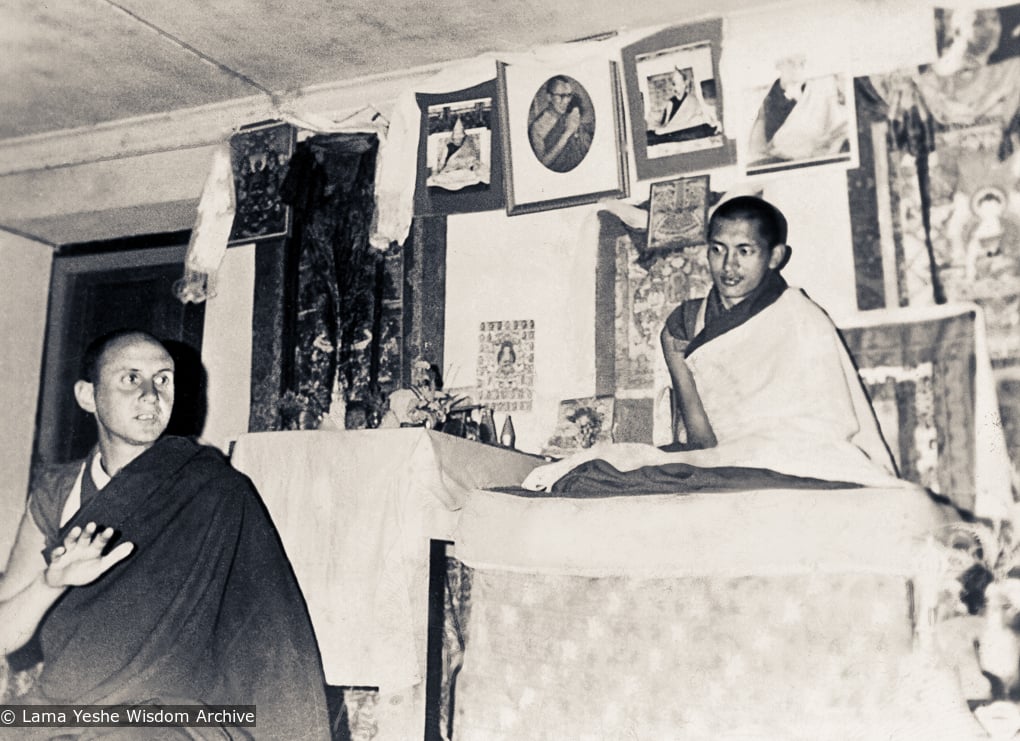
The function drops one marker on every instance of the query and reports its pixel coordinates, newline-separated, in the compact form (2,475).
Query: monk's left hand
(80,559)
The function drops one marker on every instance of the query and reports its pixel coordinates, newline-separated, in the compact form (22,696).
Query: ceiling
(70,64)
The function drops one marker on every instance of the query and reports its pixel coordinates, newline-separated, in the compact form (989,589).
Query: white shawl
(782,393)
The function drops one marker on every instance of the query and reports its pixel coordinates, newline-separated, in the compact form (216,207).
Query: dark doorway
(99,292)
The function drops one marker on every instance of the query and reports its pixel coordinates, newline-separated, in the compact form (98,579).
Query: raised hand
(80,561)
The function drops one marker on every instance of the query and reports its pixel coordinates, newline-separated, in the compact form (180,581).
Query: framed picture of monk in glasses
(562,134)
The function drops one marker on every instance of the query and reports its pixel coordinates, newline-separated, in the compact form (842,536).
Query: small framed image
(260,154)
(580,424)
(799,119)
(677,214)
(675,101)
(562,134)
(506,364)
(460,164)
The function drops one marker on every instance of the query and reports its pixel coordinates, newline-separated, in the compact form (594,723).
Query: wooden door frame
(66,270)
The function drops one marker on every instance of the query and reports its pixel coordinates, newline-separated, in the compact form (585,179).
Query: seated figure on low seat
(760,375)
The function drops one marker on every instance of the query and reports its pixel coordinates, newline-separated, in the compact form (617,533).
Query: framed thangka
(460,163)
(562,130)
(675,101)
(677,213)
(260,155)
(506,364)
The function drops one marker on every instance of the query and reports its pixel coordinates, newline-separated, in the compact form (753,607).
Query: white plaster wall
(226,348)
(539,266)
(817,209)
(123,182)
(23,303)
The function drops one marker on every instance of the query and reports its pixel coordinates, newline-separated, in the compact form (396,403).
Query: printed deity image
(506,364)
(459,144)
(975,231)
(677,214)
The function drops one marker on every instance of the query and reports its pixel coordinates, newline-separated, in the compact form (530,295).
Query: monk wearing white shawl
(760,375)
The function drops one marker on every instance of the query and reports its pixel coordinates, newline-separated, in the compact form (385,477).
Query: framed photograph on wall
(675,101)
(677,214)
(798,118)
(460,162)
(260,155)
(562,133)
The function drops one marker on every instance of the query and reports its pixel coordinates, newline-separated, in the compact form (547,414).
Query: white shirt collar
(99,476)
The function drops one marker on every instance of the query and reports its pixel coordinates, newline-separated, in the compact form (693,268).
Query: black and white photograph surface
(459,371)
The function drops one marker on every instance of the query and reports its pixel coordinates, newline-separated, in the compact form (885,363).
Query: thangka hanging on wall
(970,176)
(973,175)
(677,214)
(260,156)
(975,230)
(647,290)
(506,364)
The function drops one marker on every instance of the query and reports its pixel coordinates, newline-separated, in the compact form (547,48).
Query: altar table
(356,511)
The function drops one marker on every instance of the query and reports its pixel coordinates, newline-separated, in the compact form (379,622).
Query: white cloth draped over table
(355,511)
(738,533)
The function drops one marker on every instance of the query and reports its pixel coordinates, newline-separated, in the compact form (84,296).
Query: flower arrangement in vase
(425,404)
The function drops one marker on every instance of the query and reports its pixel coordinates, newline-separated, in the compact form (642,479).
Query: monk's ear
(780,256)
(85,395)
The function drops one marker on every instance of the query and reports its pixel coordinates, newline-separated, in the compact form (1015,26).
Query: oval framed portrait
(561,123)
(561,127)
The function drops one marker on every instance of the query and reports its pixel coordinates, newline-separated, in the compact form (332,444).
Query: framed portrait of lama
(460,162)
(675,100)
(562,134)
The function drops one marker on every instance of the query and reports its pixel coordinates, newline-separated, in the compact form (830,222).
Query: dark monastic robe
(206,609)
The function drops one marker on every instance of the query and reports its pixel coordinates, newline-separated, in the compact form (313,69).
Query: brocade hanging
(330,187)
